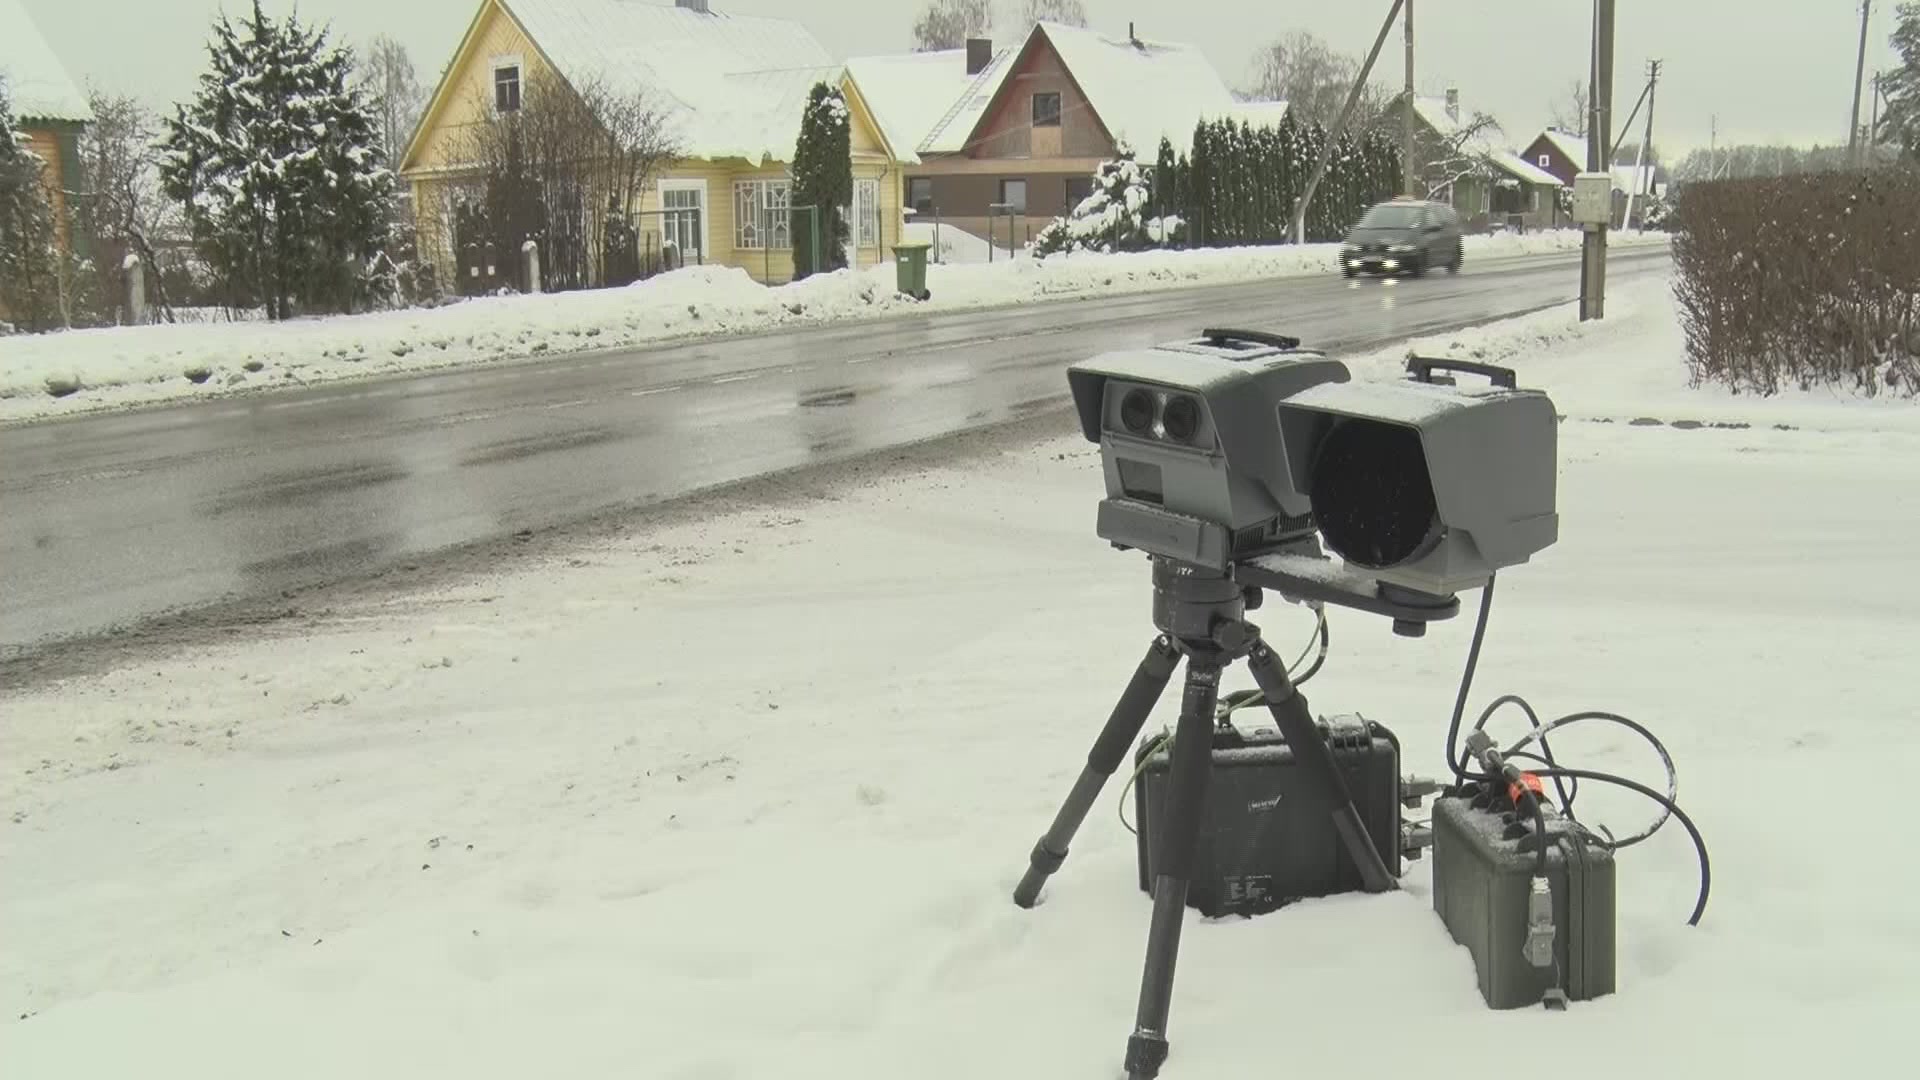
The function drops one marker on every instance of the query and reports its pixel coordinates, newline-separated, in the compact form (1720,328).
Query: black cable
(1539,830)
(1454,761)
(1533,718)
(1699,844)
(1659,749)
(1320,659)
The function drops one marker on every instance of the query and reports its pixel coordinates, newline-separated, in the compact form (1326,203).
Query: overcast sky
(1773,70)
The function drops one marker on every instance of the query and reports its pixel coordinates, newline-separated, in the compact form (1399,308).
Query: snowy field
(746,797)
(64,374)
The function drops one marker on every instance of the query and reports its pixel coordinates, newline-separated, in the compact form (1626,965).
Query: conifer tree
(822,179)
(277,165)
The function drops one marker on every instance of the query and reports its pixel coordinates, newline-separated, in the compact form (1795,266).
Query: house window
(1078,188)
(1546,160)
(506,86)
(920,194)
(1046,110)
(866,213)
(760,215)
(1013,193)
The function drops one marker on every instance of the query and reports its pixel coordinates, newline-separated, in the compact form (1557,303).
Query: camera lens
(1136,411)
(1372,497)
(1182,419)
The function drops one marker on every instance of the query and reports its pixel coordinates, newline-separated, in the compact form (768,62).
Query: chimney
(693,5)
(1453,103)
(979,54)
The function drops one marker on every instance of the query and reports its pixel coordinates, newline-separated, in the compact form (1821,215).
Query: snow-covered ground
(745,797)
(62,374)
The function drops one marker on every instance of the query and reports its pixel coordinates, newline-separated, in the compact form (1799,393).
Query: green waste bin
(910,269)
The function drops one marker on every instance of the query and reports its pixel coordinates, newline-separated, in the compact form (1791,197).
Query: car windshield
(1391,216)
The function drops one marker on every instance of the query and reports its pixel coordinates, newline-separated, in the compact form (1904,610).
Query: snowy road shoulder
(745,797)
(64,374)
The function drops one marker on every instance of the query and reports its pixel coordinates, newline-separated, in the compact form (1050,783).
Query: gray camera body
(1240,444)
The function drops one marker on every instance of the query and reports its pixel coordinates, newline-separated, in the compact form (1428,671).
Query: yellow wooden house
(734,87)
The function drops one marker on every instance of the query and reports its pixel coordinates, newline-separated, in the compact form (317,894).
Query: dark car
(1403,236)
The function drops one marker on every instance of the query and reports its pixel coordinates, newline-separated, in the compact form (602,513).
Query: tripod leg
(1317,766)
(1179,832)
(1109,750)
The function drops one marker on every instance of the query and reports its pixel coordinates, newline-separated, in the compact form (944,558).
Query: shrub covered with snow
(1801,281)
(1113,218)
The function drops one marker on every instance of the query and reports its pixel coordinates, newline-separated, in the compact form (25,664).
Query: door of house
(684,220)
(863,221)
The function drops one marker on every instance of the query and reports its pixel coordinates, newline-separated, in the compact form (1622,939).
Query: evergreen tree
(277,165)
(1164,185)
(1114,218)
(822,179)
(29,258)
(1900,124)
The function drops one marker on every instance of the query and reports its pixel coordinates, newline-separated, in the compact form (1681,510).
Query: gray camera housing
(1222,494)
(1478,465)
(1489,457)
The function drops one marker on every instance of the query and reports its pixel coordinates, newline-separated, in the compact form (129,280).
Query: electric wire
(1699,843)
(1454,760)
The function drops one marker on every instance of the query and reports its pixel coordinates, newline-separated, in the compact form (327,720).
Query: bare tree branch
(947,24)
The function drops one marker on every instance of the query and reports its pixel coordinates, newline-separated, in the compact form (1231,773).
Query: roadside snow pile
(539,825)
(1631,367)
(65,373)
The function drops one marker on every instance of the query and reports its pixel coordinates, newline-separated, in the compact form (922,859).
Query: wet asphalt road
(109,519)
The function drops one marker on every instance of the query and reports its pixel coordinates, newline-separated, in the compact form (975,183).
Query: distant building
(735,87)
(47,106)
(1487,184)
(1008,139)
(1564,154)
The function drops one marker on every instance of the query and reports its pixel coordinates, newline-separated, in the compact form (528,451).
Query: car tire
(1459,256)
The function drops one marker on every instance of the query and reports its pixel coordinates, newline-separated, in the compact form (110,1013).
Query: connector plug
(1539,945)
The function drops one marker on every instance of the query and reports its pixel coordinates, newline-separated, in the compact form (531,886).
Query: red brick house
(1010,139)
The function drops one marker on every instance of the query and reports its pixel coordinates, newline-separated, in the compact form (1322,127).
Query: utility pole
(1639,168)
(1873,125)
(1859,75)
(1406,119)
(1593,247)
(1713,143)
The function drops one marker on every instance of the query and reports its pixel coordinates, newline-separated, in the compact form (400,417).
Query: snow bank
(61,374)
(541,826)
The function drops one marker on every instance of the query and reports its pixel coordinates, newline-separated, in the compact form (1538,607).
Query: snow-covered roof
(1521,168)
(1433,112)
(735,84)
(1258,114)
(1624,177)
(38,87)
(950,133)
(1569,144)
(1142,91)
(910,94)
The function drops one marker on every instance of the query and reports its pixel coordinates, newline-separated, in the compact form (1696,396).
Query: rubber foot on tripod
(1145,1055)
(1041,865)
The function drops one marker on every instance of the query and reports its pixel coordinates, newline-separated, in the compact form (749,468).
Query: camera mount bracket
(1308,578)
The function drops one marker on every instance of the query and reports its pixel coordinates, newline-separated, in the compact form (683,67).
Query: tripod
(1201,616)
